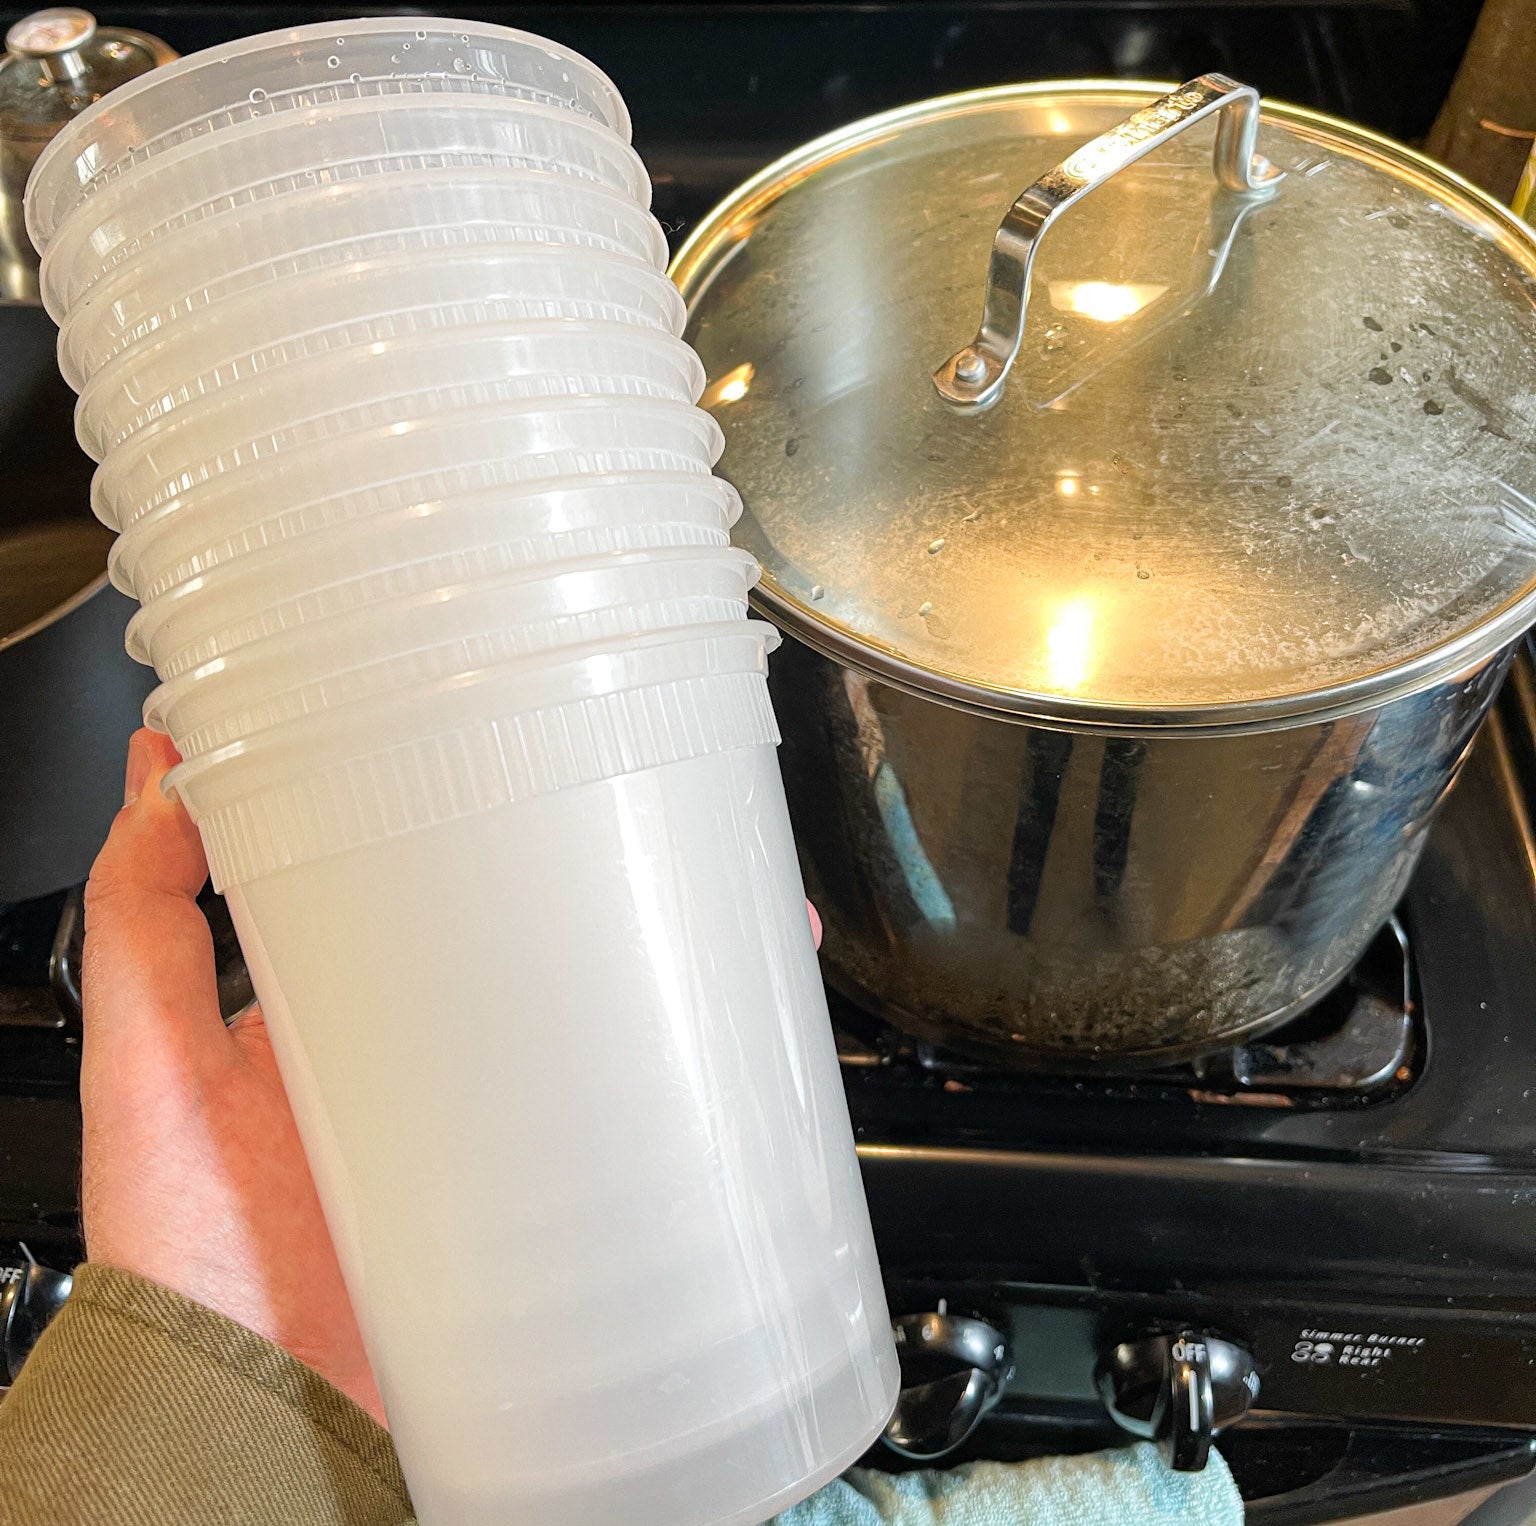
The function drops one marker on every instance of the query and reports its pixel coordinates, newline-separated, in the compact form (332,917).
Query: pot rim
(705,253)
(64,607)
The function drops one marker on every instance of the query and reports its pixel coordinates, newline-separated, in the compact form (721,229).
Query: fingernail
(815,924)
(140,760)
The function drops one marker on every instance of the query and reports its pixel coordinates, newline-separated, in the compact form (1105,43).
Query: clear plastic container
(543,523)
(229,609)
(614,896)
(262,76)
(349,300)
(432,632)
(407,377)
(507,442)
(406,131)
(462,206)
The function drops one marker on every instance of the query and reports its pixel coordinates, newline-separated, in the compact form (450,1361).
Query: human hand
(192,1171)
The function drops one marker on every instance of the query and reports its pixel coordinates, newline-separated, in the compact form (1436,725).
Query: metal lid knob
(55,38)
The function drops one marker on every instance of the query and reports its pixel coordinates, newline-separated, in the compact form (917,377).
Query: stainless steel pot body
(1043,895)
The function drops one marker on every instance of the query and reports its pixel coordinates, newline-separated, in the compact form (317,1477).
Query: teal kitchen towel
(1130,1486)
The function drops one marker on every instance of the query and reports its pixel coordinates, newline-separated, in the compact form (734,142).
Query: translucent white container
(378,647)
(371,216)
(555,523)
(213,615)
(607,1081)
(266,75)
(473,447)
(263,157)
(408,377)
(356,302)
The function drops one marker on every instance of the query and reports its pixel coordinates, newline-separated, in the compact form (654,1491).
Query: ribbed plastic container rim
(668,352)
(64,143)
(637,183)
(145,327)
(357,683)
(62,293)
(332,788)
(121,573)
(150,620)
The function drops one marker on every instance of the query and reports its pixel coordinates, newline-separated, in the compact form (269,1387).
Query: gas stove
(1339,1215)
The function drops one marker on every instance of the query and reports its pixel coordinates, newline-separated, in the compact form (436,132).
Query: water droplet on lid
(341,42)
(405,47)
(355,79)
(925,608)
(818,592)
(421,37)
(258,94)
(935,546)
(332,62)
(565,79)
(1143,574)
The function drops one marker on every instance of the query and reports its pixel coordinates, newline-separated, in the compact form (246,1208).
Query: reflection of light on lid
(731,387)
(1103,301)
(1069,645)
(1068,483)
(1058,121)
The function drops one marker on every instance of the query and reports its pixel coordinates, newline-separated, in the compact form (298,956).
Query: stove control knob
(30,1295)
(1177,1390)
(953,1370)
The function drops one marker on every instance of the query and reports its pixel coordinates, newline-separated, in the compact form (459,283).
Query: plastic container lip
(699,427)
(630,484)
(86,148)
(150,620)
(105,199)
(601,667)
(331,693)
(249,669)
(446,528)
(633,348)
(468,455)
(350,221)
(63,288)
(422,263)
(103,237)
(325,640)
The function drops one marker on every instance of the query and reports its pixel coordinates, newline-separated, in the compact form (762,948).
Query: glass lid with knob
(1229,418)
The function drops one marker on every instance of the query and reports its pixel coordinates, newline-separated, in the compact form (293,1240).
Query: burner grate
(1362,1043)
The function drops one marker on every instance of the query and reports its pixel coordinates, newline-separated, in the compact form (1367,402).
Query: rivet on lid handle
(973,379)
(54,37)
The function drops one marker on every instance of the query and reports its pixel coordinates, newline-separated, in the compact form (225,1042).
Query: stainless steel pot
(1136,645)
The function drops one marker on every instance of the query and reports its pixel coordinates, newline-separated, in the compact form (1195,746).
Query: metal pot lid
(58,62)
(1267,446)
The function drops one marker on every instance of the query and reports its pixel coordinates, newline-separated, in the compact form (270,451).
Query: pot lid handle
(973,379)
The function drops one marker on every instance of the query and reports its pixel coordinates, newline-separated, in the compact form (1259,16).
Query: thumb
(148,967)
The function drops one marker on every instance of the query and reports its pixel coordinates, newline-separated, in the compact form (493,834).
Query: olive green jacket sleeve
(140,1408)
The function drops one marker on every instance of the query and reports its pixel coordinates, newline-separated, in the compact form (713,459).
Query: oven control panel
(1177,1369)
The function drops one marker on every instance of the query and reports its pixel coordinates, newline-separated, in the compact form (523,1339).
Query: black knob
(953,1370)
(1177,1390)
(30,1295)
